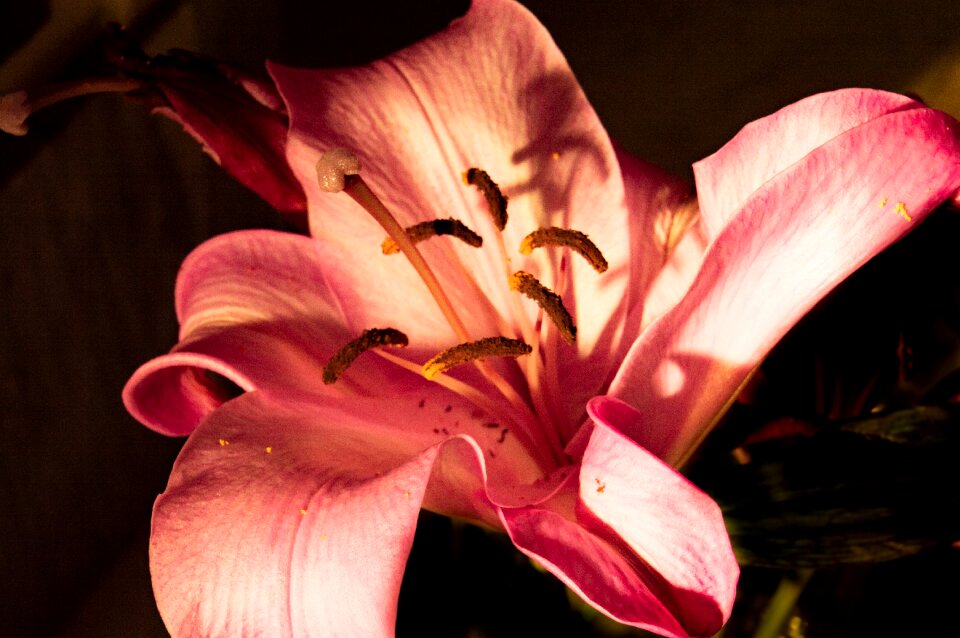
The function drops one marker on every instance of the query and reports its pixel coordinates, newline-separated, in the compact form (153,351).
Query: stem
(16,107)
(782,604)
(48,95)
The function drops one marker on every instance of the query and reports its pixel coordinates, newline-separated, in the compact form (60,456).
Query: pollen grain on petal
(434,228)
(333,168)
(601,486)
(549,301)
(496,201)
(573,239)
(901,209)
(467,352)
(223,442)
(372,338)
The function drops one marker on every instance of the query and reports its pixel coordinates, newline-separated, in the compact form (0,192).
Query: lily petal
(257,308)
(667,239)
(633,537)
(284,523)
(763,148)
(789,243)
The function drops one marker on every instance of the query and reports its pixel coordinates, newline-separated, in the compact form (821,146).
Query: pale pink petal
(666,246)
(767,146)
(294,518)
(794,239)
(633,537)
(282,523)
(667,240)
(491,91)
(687,546)
(255,307)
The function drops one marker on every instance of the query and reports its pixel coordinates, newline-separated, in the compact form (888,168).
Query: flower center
(338,170)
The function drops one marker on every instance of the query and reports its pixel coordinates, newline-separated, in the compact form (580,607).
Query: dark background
(101,202)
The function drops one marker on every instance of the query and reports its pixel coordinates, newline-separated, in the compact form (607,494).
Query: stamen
(550,301)
(338,169)
(433,228)
(466,352)
(16,107)
(372,338)
(496,202)
(573,239)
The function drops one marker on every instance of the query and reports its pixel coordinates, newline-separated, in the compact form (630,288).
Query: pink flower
(292,508)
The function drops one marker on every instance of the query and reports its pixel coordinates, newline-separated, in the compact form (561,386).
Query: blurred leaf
(863,490)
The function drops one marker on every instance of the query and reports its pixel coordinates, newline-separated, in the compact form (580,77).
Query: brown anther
(550,301)
(573,239)
(467,352)
(372,338)
(496,201)
(433,228)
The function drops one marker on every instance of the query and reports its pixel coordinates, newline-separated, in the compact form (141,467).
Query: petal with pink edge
(633,537)
(256,307)
(763,148)
(791,242)
(287,519)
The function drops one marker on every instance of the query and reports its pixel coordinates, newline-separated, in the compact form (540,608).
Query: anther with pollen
(496,201)
(372,338)
(550,301)
(467,352)
(434,228)
(573,239)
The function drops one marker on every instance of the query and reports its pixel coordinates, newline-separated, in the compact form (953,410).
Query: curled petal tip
(14,113)
(334,166)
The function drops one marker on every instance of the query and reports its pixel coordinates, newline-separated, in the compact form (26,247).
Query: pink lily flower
(292,508)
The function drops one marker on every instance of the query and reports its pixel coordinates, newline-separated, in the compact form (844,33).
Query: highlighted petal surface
(792,240)
(281,522)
